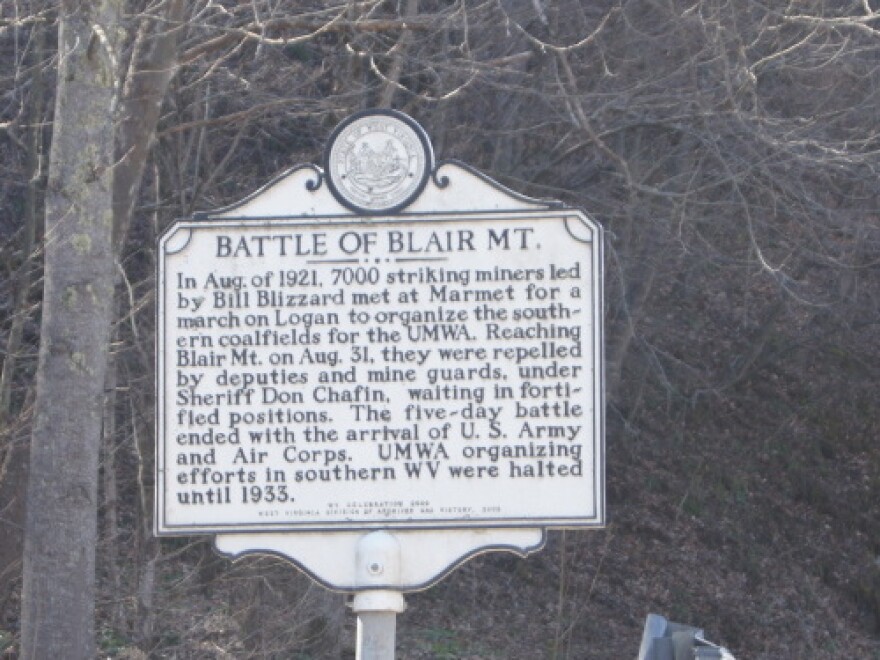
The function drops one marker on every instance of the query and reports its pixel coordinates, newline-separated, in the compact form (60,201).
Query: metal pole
(378,565)
(377,623)
(375,635)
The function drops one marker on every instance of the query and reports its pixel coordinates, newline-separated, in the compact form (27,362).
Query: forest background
(730,148)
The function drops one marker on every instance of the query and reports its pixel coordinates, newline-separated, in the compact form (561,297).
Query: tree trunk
(58,597)
(153,64)
(13,436)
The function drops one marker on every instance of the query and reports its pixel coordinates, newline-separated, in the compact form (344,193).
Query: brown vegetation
(730,149)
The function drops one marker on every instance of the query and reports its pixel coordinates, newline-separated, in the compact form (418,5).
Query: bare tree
(27,132)
(61,532)
(729,148)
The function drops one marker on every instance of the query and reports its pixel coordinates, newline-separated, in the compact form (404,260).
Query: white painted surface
(426,555)
(445,372)
(280,319)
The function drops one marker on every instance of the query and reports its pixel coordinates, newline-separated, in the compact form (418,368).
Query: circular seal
(377,161)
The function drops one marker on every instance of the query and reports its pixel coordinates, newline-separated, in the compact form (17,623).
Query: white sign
(327,370)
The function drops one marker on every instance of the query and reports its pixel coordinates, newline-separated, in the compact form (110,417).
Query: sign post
(378,558)
(380,368)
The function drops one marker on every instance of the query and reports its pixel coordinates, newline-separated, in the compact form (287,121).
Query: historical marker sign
(329,363)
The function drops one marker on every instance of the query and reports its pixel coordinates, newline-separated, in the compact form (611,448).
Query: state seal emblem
(378,161)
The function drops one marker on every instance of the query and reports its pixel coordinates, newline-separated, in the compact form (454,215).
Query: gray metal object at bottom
(664,640)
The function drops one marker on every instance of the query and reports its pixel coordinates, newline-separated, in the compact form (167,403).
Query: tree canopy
(729,149)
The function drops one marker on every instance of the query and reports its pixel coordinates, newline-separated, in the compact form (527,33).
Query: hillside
(730,152)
